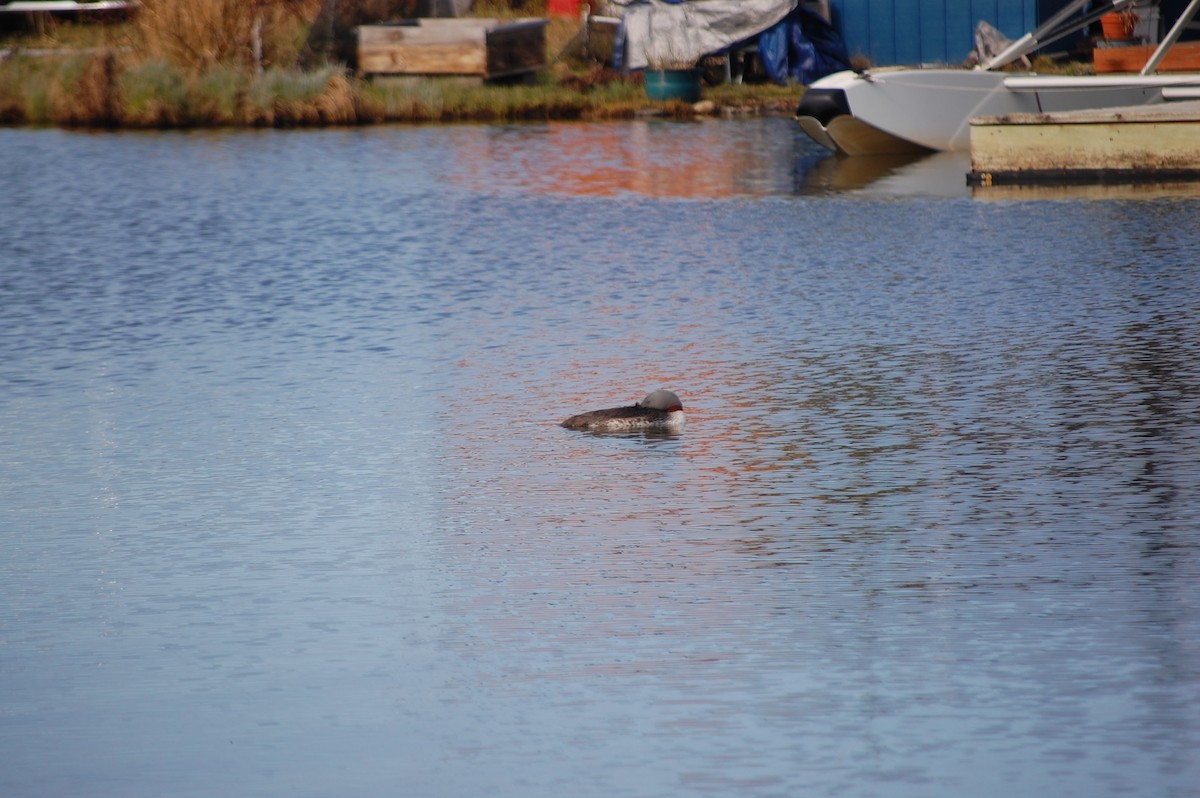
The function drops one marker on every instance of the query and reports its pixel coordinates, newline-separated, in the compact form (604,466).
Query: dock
(1147,142)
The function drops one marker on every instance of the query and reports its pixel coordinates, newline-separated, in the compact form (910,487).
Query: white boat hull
(932,108)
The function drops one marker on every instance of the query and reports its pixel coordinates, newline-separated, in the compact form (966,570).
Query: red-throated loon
(661,410)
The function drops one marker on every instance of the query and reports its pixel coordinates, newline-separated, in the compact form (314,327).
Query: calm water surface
(284,509)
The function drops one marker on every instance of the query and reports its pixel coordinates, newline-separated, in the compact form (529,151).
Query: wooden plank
(1183,57)
(467,58)
(427,31)
(485,48)
(445,31)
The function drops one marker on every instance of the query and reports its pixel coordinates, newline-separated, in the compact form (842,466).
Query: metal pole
(1184,19)
(1053,26)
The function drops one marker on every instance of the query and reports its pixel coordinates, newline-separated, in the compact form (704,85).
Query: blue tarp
(801,48)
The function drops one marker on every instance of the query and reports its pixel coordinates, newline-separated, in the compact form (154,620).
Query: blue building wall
(926,31)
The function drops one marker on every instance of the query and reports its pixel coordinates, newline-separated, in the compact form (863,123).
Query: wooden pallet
(484,48)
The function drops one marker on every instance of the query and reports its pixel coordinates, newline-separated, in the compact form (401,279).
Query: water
(284,509)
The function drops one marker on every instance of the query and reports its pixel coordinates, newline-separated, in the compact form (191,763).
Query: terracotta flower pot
(1118,26)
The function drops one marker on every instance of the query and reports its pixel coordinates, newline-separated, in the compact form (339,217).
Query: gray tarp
(678,34)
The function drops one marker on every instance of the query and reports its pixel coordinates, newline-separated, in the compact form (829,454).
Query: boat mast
(1050,30)
(1184,19)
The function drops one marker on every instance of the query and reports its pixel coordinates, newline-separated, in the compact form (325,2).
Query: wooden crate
(485,48)
(1182,57)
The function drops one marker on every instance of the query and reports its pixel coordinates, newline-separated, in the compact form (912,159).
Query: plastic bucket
(665,85)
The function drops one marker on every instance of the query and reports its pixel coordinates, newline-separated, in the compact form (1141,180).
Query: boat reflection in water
(940,174)
(944,174)
(1132,190)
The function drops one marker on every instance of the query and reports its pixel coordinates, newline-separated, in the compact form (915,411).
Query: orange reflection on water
(560,536)
(701,159)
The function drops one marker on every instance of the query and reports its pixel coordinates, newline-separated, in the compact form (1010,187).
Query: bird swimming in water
(660,410)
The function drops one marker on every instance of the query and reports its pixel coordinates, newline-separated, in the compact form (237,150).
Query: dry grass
(504,9)
(199,34)
(456,101)
(286,98)
(76,90)
(159,94)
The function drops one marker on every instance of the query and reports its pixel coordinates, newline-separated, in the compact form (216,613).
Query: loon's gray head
(662,400)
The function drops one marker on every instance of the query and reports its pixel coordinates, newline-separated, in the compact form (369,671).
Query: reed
(293,97)
(198,34)
(12,101)
(443,100)
(218,96)
(157,93)
(76,90)
(409,102)
(31,91)
(195,34)
(95,99)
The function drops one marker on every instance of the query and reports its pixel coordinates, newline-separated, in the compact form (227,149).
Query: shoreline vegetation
(288,63)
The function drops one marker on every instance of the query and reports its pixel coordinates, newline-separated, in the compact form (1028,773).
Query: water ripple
(280,456)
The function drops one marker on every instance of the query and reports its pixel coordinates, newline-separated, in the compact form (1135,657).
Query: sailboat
(899,110)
